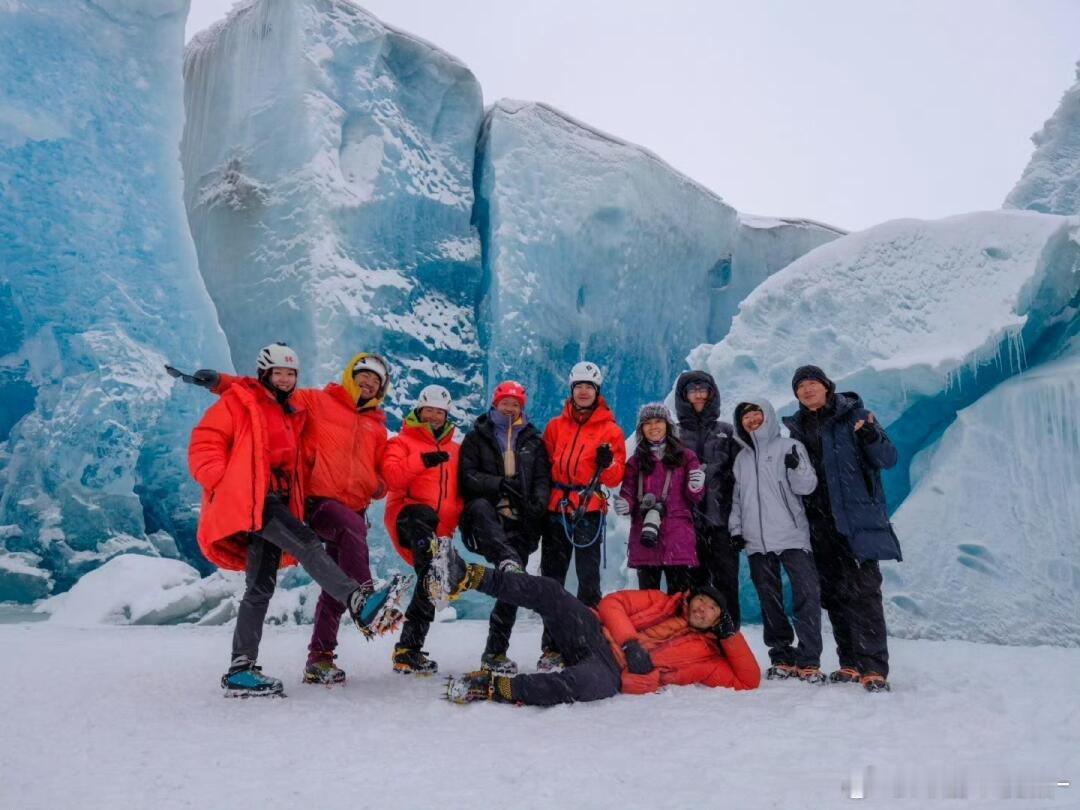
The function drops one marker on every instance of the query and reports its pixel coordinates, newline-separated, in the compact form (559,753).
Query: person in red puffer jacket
(247,454)
(421,472)
(344,440)
(635,641)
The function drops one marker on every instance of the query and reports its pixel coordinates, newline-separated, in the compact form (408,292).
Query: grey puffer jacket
(766,508)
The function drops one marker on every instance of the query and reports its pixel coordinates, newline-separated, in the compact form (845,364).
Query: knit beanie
(811,373)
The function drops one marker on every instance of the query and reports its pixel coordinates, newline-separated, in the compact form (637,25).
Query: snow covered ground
(132,717)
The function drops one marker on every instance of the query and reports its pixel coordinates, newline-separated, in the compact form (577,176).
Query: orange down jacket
(572,446)
(680,654)
(229,457)
(409,482)
(343,447)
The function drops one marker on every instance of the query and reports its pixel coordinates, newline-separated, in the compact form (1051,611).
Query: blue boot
(248,680)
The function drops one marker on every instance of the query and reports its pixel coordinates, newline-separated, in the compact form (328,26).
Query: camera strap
(663,493)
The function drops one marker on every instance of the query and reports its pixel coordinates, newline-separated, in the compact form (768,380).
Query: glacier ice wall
(1051,181)
(595,248)
(328,165)
(921,318)
(99,288)
(991,527)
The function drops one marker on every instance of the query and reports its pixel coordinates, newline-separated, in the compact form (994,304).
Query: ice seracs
(595,248)
(99,287)
(328,164)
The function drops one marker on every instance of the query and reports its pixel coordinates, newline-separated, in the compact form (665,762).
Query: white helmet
(372,363)
(586,372)
(277,355)
(434,396)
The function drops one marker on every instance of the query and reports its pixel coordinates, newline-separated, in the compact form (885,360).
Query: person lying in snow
(635,641)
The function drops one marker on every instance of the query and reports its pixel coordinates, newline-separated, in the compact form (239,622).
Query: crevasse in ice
(596,249)
(328,166)
(99,287)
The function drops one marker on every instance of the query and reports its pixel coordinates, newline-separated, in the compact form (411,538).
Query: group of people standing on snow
(288,474)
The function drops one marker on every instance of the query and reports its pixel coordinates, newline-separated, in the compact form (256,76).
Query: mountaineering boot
(322,669)
(811,675)
(377,611)
(245,679)
(550,661)
(449,576)
(845,675)
(498,664)
(781,672)
(408,661)
(873,682)
(482,685)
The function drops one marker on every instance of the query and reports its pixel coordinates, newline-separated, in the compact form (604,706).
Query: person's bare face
(367,382)
(752,420)
(655,430)
(509,406)
(812,394)
(698,399)
(283,379)
(703,613)
(584,395)
(435,418)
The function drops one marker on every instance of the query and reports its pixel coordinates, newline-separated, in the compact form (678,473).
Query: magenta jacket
(678,542)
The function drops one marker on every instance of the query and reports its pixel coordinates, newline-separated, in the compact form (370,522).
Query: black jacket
(713,441)
(851,468)
(480,469)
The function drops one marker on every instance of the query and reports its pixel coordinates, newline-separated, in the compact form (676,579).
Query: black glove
(605,456)
(791,460)
(726,627)
(866,434)
(206,377)
(738,542)
(637,660)
(434,458)
(510,486)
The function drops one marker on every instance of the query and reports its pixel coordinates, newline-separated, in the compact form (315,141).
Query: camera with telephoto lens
(654,514)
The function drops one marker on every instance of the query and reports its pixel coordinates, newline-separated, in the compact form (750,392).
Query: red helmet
(509,389)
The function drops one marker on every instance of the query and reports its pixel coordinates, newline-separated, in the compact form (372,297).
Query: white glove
(696,480)
(621,505)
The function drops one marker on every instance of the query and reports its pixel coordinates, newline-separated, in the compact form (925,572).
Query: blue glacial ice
(919,317)
(1051,181)
(328,164)
(991,525)
(595,248)
(99,288)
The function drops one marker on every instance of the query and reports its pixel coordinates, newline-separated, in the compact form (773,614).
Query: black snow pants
(497,538)
(851,595)
(281,531)
(591,671)
(677,577)
(765,572)
(556,551)
(719,567)
(416,525)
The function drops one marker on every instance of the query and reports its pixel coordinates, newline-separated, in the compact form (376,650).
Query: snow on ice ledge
(919,317)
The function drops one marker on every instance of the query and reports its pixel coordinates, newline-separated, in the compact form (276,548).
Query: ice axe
(586,496)
(179,375)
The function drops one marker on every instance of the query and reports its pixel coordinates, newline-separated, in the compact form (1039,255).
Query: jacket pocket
(787,505)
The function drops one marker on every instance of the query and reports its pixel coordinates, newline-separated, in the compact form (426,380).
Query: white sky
(847,111)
